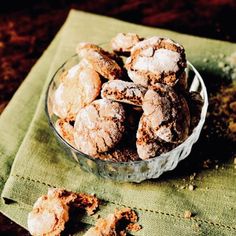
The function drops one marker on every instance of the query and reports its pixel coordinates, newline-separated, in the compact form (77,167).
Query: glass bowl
(133,171)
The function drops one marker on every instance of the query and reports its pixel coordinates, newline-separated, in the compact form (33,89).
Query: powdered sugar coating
(165,122)
(102,61)
(48,216)
(123,42)
(79,87)
(147,143)
(123,91)
(99,126)
(156,60)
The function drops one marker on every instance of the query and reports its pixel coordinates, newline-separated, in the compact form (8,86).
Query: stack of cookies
(129,104)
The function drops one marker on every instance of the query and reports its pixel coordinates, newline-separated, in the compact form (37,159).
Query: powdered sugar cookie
(168,114)
(123,42)
(99,126)
(123,91)
(100,60)
(48,216)
(79,87)
(147,143)
(156,60)
(164,123)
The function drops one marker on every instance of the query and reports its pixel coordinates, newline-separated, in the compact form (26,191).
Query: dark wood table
(27,28)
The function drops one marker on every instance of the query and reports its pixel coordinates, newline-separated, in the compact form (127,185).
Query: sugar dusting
(164,60)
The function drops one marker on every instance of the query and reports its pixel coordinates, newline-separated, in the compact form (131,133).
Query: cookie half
(123,91)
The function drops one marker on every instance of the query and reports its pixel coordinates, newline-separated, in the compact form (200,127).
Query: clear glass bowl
(133,171)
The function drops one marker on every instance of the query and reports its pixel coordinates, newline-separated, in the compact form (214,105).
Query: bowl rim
(128,163)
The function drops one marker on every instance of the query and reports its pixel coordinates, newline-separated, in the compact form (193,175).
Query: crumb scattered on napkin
(116,224)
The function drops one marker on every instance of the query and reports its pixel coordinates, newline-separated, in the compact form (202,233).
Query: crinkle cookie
(51,212)
(147,143)
(49,215)
(156,60)
(66,130)
(103,62)
(79,87)
(99,126)
(168,113)
(123,42)
(164,123)
(122,91)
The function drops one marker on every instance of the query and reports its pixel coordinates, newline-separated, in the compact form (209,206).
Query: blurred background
(27,28)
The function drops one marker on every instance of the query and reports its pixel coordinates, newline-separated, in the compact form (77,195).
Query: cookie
(51,211)
(168,113)
(100,60)
(48,216)
(123,91)
(147,143)
(99,126)
(79,87)
(66,130)
(156,60)
(123,42)
(119,155)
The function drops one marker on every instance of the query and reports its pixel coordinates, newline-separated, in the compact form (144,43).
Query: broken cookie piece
(122,91)
(100,60)
(123,42)
(99,126)
(116,224)
(156,60)
(51,212)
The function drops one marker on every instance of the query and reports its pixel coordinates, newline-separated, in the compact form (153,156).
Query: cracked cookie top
(102,61)
(165,122)
(79,86)
(99,126)
(156,60)
(123,42)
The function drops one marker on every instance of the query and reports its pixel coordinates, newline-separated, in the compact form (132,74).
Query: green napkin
(32,160)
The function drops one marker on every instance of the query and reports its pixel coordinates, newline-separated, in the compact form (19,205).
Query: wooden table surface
(25,32)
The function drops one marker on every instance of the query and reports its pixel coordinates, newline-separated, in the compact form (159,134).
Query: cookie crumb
(191,187)
(187,214)
(117,223)
(192,177)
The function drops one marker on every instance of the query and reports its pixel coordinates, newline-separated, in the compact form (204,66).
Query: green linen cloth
(32,160)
